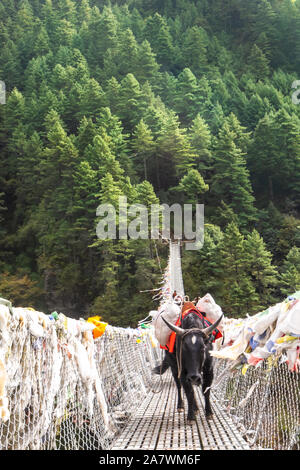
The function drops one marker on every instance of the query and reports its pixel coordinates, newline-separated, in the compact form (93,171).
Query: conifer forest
(161,101)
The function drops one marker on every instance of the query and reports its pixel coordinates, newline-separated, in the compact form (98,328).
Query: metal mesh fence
(70,391)
(264,403)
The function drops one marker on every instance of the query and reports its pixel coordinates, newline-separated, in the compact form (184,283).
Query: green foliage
(20,289)
(193,186)
(258,64)
(264,275)
(239,295)
(230,181)
(161,102)
(144,148)
(290,272)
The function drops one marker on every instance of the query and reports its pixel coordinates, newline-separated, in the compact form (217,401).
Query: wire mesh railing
(65,390)
(264,403)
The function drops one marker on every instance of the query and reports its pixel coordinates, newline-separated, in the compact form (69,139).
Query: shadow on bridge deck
(156,425)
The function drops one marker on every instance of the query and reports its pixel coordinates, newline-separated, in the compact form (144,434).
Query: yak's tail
(162,368)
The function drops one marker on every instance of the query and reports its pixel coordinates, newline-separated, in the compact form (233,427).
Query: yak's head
(192,347)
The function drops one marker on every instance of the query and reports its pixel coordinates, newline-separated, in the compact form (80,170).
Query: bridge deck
(156,424)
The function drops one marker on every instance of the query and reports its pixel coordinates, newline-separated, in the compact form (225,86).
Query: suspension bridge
(63,388)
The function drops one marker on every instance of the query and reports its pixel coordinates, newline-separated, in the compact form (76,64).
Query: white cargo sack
(213,311)
(170,312)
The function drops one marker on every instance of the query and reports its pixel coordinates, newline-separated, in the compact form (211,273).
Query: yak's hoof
(191,421)
(209,415)
(191,417)
(180,409)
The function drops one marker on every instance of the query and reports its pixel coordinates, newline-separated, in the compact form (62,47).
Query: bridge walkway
(157,425)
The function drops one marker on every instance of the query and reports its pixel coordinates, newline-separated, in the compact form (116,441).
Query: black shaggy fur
(197,366)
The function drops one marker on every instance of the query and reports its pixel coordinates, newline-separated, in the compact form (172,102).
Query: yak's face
(194,352)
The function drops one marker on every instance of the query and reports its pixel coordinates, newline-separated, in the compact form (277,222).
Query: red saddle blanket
(171,342)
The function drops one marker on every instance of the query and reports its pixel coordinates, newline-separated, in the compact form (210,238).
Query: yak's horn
(179,331)
(207,331)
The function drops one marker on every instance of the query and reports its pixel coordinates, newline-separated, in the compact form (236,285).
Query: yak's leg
(192,406)
(178,385)
(173,364)
(208,376)
(179,401)
(196,406)
(162,368)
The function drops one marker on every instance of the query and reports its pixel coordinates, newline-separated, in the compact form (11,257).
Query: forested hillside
(160,101)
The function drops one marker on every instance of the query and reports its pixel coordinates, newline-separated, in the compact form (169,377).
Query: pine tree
(101,158)
(201,141)
(86,132)
(263,43)
(14,112)
(264,274)
(187,99)
(112,94)
(273,158)
(174,146)
(256,109)
(131,102)
(144,148)
(127,54)
(201,269)
(57,166)
(289,146)
(25,16)
(110,190)
(224,215)
(91,100)
(258,63)
(146,196)
(242,138)
(238,291)
(193,185)
(231,182)
(65,33)
(28,190)
(42,42)
(86,193)
(83,12)
(118,144)
(194,50)
(37,76)
(290,272)
(158,34)
(129,190)
(10,65)
(147,67)
(264,19)
(102,35)
(288,235)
